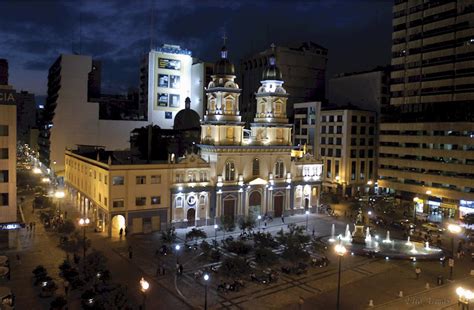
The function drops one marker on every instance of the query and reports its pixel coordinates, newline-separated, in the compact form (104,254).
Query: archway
(118,221)
(191,216)
(229,206)
(278,204)
(255,203)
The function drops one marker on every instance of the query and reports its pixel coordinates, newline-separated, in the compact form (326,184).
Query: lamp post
(206,278)
(144,286)
(307,215)
(415,202)
(340,251)
(177,247)
(464,297)
(259,218)
(84,222)
(454,229)
(215,231)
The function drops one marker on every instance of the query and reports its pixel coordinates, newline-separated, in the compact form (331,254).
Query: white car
(432,227)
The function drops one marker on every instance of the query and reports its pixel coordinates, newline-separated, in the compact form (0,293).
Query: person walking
(181,269)
(126,231)
(417,272)
(283,219)
(177,268)
(66,287)
(130,252)
(121,233)
(18,259)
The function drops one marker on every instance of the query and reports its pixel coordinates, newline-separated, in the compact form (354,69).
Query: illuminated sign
(10,226)
(172,64)
(7,97)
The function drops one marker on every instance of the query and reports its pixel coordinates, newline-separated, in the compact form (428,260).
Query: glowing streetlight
(340,251)
(84,222)
(59,194)
(144,286)
(215,231)
(177,247)
(464,297)
(259,218)
(36,170)
(454,229)
(428,192)
(370,182)
(45,180)
(206,279)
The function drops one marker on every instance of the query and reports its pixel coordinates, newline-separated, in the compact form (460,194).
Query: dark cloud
(34,33)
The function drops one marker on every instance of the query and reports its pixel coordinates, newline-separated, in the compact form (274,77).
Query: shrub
(234,267)
(196,234)
(265,257)
(238,247)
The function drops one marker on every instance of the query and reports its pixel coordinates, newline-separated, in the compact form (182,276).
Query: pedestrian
(417,272)
(181,269)
(66,287)
(158,271)
(130,252)
(313,231)
(283,219)
(65,214)
(126,231)
(18,259)
(31,226)
(177,268)
(121,232)
(34,225)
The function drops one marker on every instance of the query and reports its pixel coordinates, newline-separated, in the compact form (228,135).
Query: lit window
(229,171)
(279,169)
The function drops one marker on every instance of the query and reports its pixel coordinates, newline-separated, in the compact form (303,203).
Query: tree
(265,257)
(67,228)
(169,236)
(196,234)
(234,267)
(247,223)
(227,223)
(293,242)
(58,303)
(238,247)
(94,263)
(264,240)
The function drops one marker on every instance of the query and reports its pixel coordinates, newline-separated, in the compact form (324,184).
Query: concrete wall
(8,117)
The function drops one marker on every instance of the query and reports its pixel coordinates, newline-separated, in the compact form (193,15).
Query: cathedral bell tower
(222,123)
(270,124)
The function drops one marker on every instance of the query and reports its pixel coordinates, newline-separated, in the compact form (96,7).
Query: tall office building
(8,207)
(303,66)
(306,115)
(26,115)
(368,90)
(426,139)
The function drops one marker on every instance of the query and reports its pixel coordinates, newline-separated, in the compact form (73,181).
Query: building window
(100,177)
(353,153)
(3,176)
(338,152)
(331,129)
(371,169)
(3,153)
(371,141)
(323,118)
(192,176)
(361,153)
(362,130)
(105,179)
(179,202)
(3,199)
(323,140)
(370,153)
(338,141)
(279,170)
(328,168)
(331,118)
(229,171)
(362,170)
(140,179)
(3,130)
(156,179)
(353,170)
(339,118)
(354,130)
(156,200)
(336,168)
(118,180)
(255,167)
(339,129)
(95,175)
(203,176)
(140,201)
(362,119)
(105,201)
(323,129)
(371,130)
(118,203)
(353,141)
(354,118)
(179,178)
(323,152)
(362,141)
(330,140)
(330,152)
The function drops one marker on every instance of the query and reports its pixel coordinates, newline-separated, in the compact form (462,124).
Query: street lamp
(259,218)
(59,195)
(177,247)
(454,229)
(206,279)
(340,251)
(144,286)
(84,222)
(307,214)
(215,231)
(36,170)
(428,192)
(464,297)
(415,202)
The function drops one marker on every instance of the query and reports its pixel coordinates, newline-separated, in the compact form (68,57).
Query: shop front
(466,207)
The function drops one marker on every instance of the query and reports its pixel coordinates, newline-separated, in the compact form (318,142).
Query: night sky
(33,33)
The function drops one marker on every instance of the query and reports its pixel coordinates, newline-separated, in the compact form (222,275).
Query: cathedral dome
(272,73)
(223,66)
(187,118)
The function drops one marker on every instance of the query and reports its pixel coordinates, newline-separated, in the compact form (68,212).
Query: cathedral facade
(250,172)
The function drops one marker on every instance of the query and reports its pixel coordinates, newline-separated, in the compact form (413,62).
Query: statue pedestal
(358,234)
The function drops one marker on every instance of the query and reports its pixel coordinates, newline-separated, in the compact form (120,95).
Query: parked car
(407,224)
(7,298)
(433,227)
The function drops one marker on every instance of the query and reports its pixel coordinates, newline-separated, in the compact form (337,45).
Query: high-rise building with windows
(8,203)
(426,136)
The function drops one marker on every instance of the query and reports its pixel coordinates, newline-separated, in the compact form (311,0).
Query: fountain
(368,237)
(427,246)
(387,239)
(358,234)
(347,235)
(408,243)
(413,249)
(333,232)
